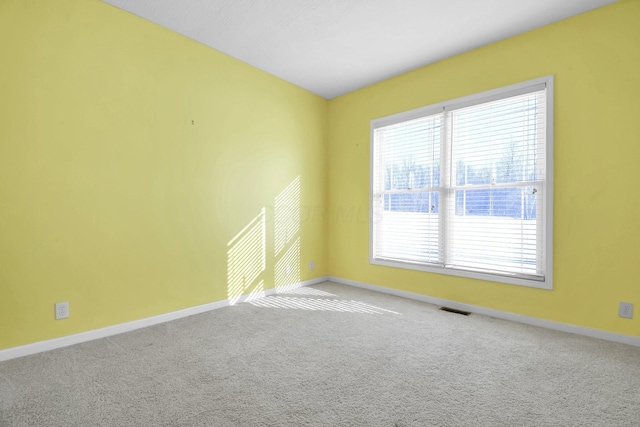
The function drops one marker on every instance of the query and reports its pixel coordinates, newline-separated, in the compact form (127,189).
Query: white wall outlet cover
(312,265)
(62,310)
(626,310)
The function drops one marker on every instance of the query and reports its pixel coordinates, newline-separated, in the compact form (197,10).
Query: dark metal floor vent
(453,310)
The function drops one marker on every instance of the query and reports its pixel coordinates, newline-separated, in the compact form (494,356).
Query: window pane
(515,202)
(498,142)
(411,154)
(409,227)
(496,229)
(498,147)
(426,202)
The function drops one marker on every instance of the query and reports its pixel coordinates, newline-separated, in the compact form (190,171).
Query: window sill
(531,283)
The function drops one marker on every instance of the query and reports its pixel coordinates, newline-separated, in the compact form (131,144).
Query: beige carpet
(330,355)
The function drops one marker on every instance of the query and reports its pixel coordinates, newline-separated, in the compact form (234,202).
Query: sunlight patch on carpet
(307,291)
(319,304)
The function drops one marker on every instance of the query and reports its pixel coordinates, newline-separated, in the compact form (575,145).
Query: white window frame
(487,96)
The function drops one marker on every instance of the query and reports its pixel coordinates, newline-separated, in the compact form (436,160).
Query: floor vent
(453,310)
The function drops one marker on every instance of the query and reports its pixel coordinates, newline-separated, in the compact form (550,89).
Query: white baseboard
(39,347)
(549,324)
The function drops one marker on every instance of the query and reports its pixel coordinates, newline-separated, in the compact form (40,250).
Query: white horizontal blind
(464,189)
(406,190)
(496,214)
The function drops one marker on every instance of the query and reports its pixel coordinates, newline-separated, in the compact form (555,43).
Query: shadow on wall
(247,251)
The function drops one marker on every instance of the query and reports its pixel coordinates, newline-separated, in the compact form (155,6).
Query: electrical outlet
(312,265)
(62,310)
(288,269)
(626,310)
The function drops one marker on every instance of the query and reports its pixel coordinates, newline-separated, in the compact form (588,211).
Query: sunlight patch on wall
(246,260)
(256,293)
(287,237)
(287,272)
(287,215)
(319,304)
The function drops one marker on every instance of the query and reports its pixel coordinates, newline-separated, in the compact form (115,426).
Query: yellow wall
(595,58)
(142,172)
(130,157)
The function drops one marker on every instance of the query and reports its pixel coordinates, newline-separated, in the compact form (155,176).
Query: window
(465,187)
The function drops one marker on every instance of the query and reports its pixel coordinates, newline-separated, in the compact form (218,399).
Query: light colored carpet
(330,355)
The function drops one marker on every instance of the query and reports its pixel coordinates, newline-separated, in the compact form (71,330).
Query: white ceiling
(331,47)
